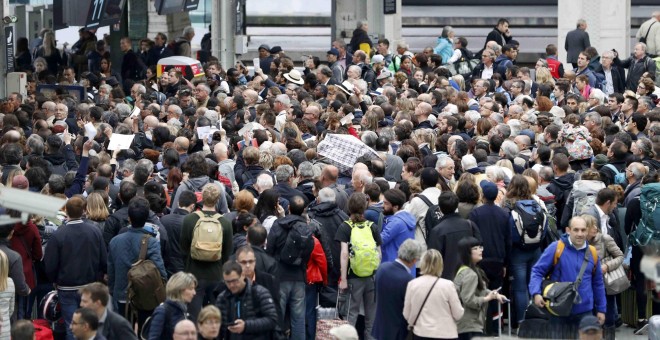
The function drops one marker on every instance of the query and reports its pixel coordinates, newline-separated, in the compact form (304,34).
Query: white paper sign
(203,131)
(136,112)
(348,119)
(120,142)
(90,131)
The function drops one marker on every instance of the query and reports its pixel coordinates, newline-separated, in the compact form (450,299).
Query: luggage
(629,307)
(329,318)
(500,315)
(535,324)
(654,327)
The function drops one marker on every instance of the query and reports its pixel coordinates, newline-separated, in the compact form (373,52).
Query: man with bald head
(422,112)
(251,98)
(185,330)
(524,142)
(313,114)
(181,145)
(225,164)
(328,178)
(49,108)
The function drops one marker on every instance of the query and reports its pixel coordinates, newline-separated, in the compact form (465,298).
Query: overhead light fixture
(10,19)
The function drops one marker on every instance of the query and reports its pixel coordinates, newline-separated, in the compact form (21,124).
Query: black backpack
(433,215)
(299,243)
(530,223)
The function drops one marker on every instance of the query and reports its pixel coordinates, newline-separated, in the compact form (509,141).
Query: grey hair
(402,44)
(361,23)
(129,165)
(495,173)
(645,146)
(595,117)
(284,99)
(505,130)
(177,109)
(205,87)
(355,68)
(515,126)
(643,46)
(264,181)
(581,22)
(497,49)
(306,169)
(188,30)
(647,101)
(364,176)
(388,132)
(283,173)
(141,89)
(473,116)
(411,250)
(600,95)
(443,161)
(637,170)
(325,70)
(510,149)
(446,30)
(327,195)
(369,138)
(607,54)
(106,87)
(36,144)
(123,111)
(546,173)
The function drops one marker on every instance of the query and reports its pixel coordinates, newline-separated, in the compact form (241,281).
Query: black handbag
(561,296)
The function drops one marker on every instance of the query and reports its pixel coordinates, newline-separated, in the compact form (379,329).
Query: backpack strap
(558,251)
(144,243)
(613,168)
(462,268)
(425,200)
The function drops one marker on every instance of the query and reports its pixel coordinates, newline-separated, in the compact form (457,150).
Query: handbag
(616,281)
(411,327)
(561,296)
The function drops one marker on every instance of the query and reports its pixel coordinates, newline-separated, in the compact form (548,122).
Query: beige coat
(606,247)
(442,310)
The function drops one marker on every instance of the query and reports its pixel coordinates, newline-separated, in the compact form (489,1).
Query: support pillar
(4,10)
(223,22)
(384,25)
(608,24)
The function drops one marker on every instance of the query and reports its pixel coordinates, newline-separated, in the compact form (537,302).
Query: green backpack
(648,229)
(364,258)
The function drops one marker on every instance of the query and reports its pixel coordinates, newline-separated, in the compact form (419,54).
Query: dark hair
(640,120)
(357,204)
(232,266)
(196,166)
(89,317)
(465,246)
(448,202)
(22,329)
(467,192)
(138,211)
(97,291)
(372,190)
(187,198)
(242,221)
(257,235)
(267,204)
(127,190)
(396,197)
(605,195)
(297,205)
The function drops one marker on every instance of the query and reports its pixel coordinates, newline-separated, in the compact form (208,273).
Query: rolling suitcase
(629,307)
(654,327)
(499,317)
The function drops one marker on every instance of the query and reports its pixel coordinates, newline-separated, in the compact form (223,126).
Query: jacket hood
(198,182)
(288,221)
(324,209)
(500,58)
(21,229)
(588,185)
(564,182)
(55,158)
(404,218)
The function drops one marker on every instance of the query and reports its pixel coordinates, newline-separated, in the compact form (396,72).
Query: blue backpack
(529,222)
(619,177)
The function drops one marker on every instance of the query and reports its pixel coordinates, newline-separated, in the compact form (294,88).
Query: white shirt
(487,73)
(603,220)
(280,120)
(609,84)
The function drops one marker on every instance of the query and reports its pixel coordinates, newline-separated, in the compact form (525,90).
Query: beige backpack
(207,238)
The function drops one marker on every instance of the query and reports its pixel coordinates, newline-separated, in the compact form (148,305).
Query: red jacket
(27,242)
(317,267)
(553,66)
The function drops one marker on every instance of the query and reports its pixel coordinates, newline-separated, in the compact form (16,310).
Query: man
(590,328)
(562,183)
(185,330)
(617,155)
(628,108)
(504,60)
(292,264)
(485,69)
(446,168)
(281,106)
(258,319)
(22,330)
(330,217)
(566,269)
(69,75)
(361,288)
(444,237)
(85,325)
(265,58)
(637,125)
(95,296)
(285,175)
(202,92)
(367,74)
(124,250)
(500,34)
(603,212)
(593,122)
(480,89)
(329,176)
(182,45)
(554,65)
(131,66)
(344,58)
(334,65)
(208,273)
(383,49)
(637,64)
(75,255)
(173,223)
(422,112)
(649,33)
(582,68)
(614,103)
(391,282)
(159,50)
(256,238)
(313,115)
(577,41)
(225,164)
(398,227)
(614,75)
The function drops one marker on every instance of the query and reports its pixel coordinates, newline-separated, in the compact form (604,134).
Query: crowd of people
(414,192)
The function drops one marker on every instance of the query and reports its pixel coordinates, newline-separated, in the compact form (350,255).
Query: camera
(24,201)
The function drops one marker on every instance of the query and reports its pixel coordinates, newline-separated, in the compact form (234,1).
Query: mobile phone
(233,323)
(498,289)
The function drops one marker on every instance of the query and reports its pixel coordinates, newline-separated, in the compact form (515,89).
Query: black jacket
(307,188)
(116,327)
(561,187)
(276,240)
(618,78)
(444,238)
(497,37)
(119,220)
(360,36)
(257,309)
(287,192)
(330,217)
(636,69)
(15,268)
(173,223)
(265,262)
(493,223)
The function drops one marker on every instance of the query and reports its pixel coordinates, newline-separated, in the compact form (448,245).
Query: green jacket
(473,301)
(202,270)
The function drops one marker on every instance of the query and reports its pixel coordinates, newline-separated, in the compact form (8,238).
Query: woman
(208,323)
(7,292)
(425,140)
(407,66)
(106,69)
(180,291)
(40,69)
(470,281)
(268,208)
(26,241)
(240,225)
(50,53)
(469,194)
(582,84)
(646,87)
(97,209)
(243,201)
(23,56)
(431,305)
(411,167)
(610,256)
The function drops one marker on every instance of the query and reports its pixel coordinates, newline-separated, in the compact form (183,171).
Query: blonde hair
(425,136)
(11,174)
(208,312)
(460,81)
(96,208)
(178,283)
(590,221)
(543,75)
(210,194)
(532,184)
(4,271)
(431,263)
(505,163)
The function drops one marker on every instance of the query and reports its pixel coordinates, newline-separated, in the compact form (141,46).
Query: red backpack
(42,330)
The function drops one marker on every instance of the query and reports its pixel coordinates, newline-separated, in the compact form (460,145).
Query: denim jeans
(311,300)
(521,267)
(363,293)
(612,312)
(69,302)
(292,294)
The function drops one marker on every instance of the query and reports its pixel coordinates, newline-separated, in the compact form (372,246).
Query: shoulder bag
(411,327)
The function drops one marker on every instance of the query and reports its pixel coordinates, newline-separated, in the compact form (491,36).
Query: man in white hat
(295,77)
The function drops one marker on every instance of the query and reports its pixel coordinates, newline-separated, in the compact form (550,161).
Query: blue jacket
(164,318)
(396,229)
(592,288)
(502,62)
(391,283)
(444,49)
(123,251)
